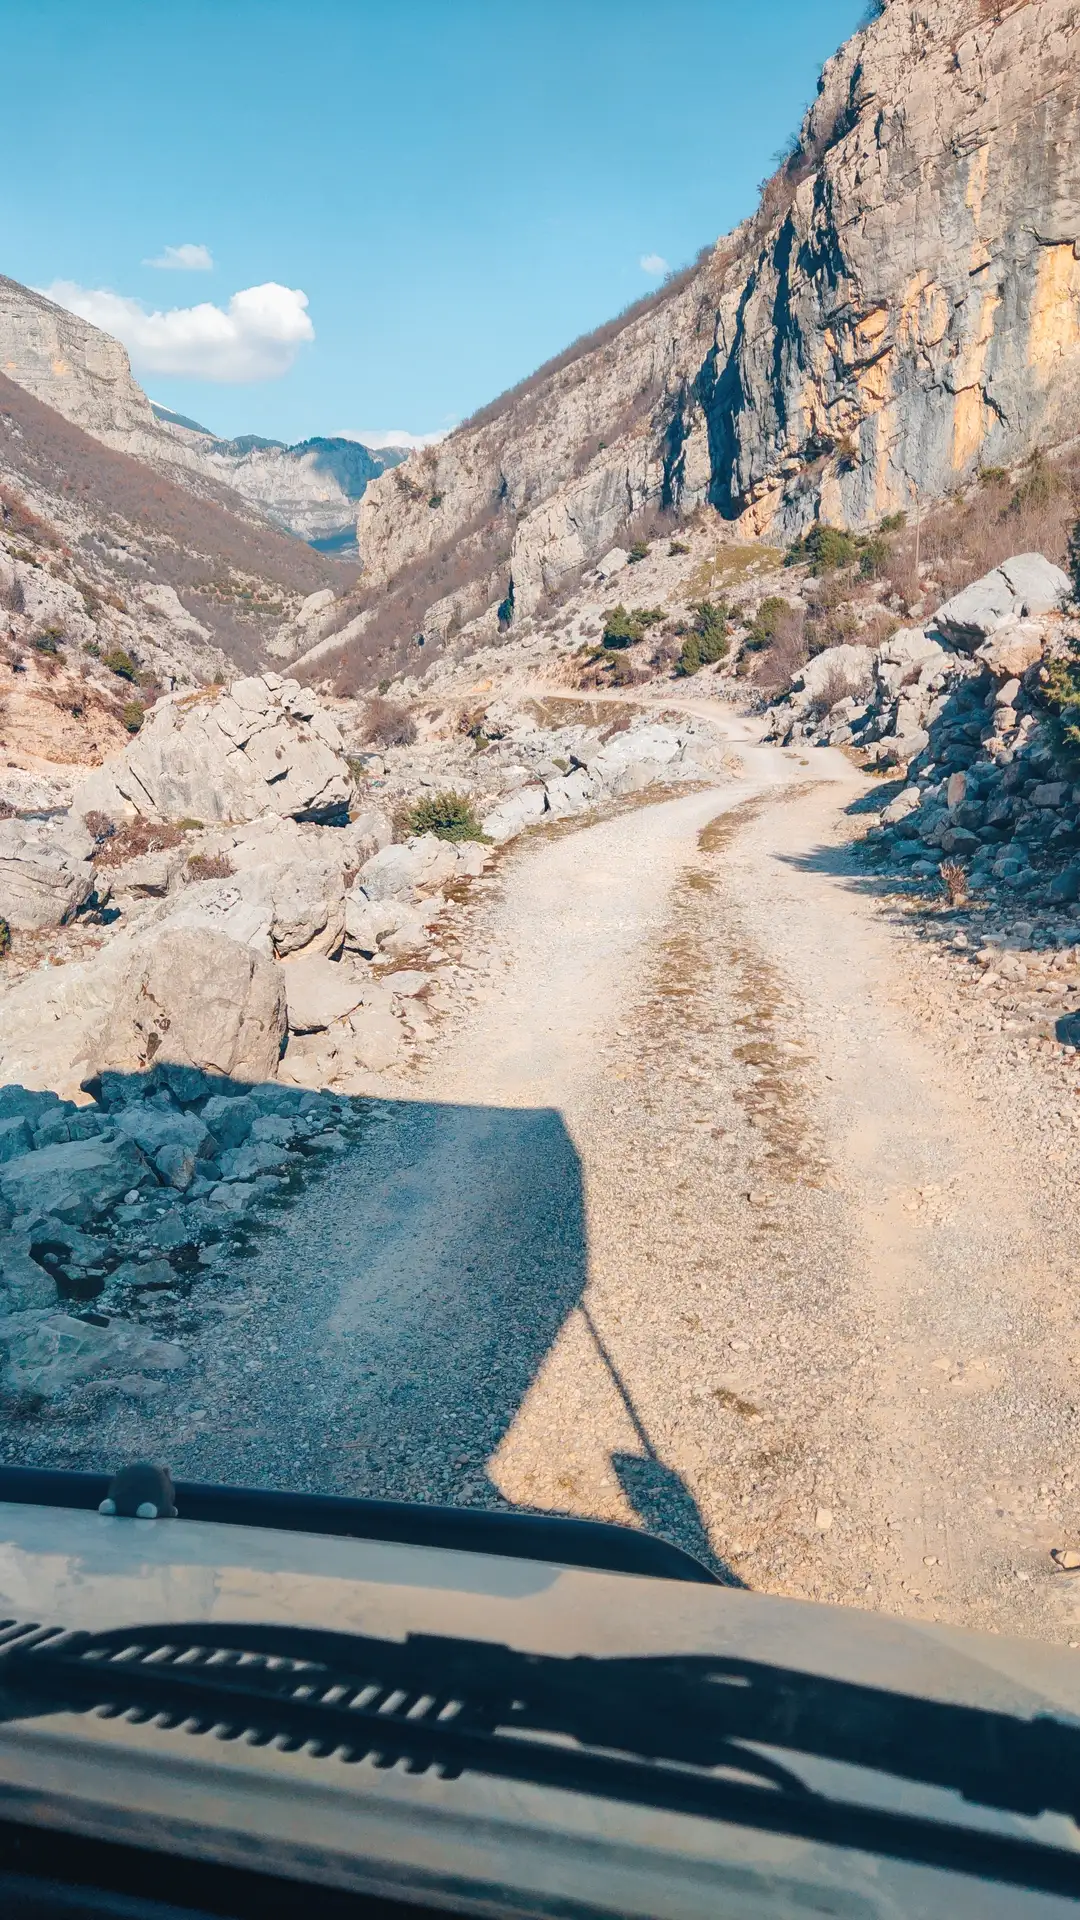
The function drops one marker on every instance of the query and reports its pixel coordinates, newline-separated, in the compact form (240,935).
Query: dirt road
(692,1223)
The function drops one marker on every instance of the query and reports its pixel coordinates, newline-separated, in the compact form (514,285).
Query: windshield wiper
(661,1732)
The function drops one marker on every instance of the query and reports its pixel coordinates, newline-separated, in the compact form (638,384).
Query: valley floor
(707,1215)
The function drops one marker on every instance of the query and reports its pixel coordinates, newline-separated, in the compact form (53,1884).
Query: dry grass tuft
(955,882)
(129,841)
(210,866)
(387,725)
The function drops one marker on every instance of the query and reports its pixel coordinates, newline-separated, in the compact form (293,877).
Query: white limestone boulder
(1020,588)
(264,746)
(192,997)
(421,864)
(519,810)
(44,873)
(319,991)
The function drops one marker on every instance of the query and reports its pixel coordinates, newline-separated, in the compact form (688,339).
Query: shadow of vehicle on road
(367,1289)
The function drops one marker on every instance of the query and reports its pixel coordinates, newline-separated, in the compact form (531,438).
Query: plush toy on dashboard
(141,1492)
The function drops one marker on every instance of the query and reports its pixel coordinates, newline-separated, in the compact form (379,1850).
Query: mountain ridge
(310,490)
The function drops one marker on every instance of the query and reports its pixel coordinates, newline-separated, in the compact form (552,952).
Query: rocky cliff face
(903,308)
(310,490)
(73,367)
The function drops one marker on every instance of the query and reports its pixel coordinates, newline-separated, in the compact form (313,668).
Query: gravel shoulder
(710,1214)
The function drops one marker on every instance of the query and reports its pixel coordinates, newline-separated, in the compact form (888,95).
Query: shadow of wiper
(658,1732)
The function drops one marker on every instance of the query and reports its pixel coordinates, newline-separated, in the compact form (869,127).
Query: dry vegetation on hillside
(235,576)
(863,588)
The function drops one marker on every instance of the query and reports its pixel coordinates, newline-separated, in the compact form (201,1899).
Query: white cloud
(378,437)
(257,337)
(188,258)
(653,263)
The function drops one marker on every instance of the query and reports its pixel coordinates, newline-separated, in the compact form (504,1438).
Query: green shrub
(623,629)
(504,612)
(435,499)
(893,522)
(707,640)
(5,939)
(622,672)
(1061,692)
(766,623)
(1038,484)
(620,628)
(132,716)
(121,663)
(449,816)
(677,547)
(48,640)
(92,649)
(823,549)
(875,556)
(639,551)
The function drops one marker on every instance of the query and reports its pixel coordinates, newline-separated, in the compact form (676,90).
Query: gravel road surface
(693,1221)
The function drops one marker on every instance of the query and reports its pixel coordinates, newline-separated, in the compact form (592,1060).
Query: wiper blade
(667,1733)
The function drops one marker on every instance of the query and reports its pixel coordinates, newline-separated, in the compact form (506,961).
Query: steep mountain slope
(903,309)
(310,490)
(139,535)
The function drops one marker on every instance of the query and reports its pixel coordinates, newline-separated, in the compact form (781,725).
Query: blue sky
(458,187)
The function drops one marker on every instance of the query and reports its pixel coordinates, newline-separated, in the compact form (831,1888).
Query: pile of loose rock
(123,1203)
(958,704)
(524,763)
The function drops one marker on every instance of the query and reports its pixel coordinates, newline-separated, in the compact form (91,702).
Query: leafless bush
(786,654)
(128,842)
(13,597)
(836,686)
(954,881)
(99,826)
(965,538)
(623,673)
(878,627)
(210,866)
(21,520)
(387,725)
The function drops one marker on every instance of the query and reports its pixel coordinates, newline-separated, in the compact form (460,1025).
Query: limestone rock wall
(72,366)
(904,306)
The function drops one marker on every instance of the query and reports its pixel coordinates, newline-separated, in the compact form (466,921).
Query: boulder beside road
(263,746)
(46,1353)
(191,997)
(45,874)
(75,1180)
(1027,584)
